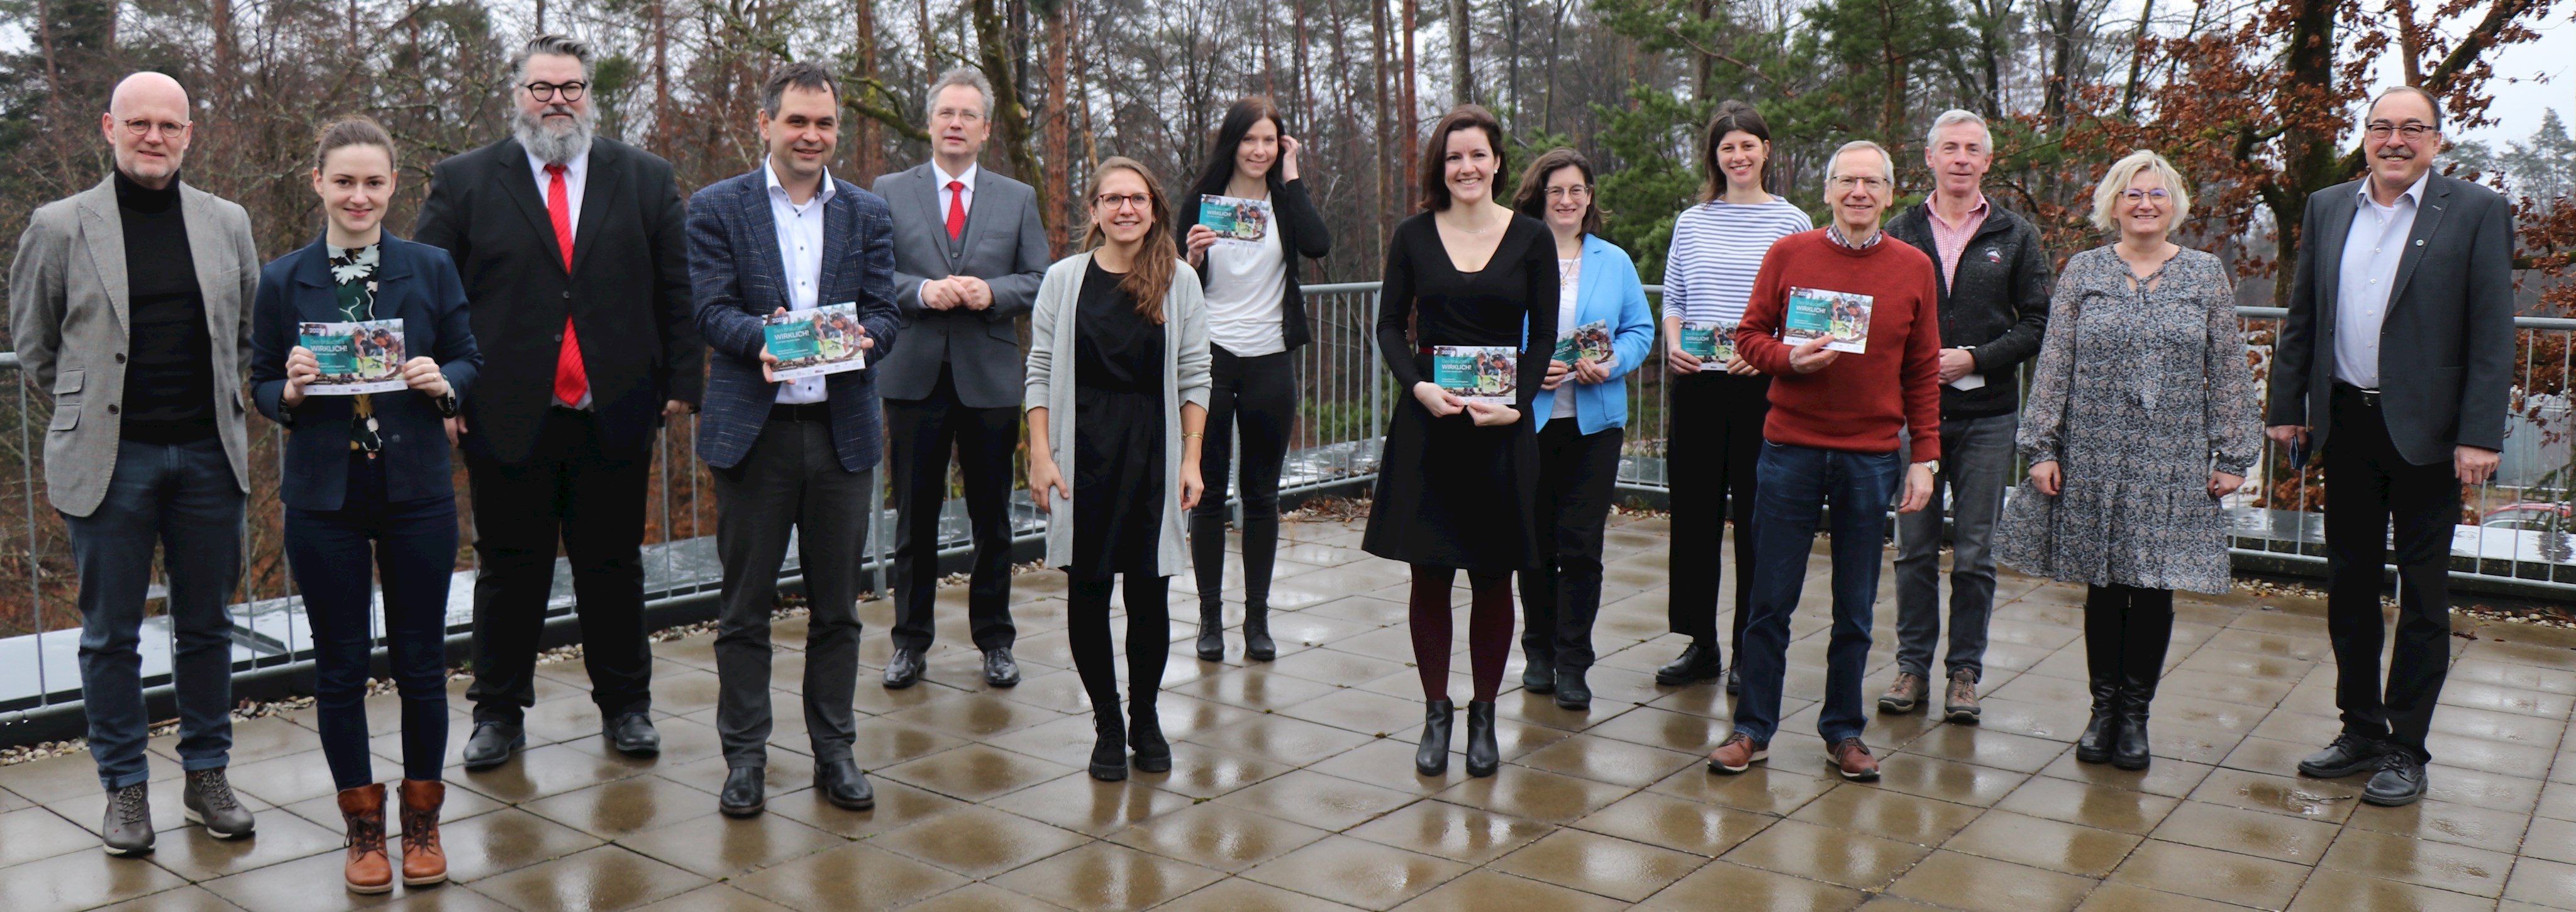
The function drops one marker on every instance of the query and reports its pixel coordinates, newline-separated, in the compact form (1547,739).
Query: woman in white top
(1256,321)
(1717,406)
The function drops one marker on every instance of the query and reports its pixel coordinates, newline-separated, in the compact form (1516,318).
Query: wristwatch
(1933,464)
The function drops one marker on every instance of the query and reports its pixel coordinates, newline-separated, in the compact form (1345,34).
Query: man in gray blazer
(2398,348)
(130,304)
(968,255)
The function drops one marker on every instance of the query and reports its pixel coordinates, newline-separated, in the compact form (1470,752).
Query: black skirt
(1118,401)
(1451,494)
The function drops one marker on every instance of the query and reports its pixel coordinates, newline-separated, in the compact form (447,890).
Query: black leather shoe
(2129,750)
(1483,756)
(492,744)
(844,786)
(1257,644)
(1734,680)
(1000,670)
(633,735)
(2350,754)
(1698,662)
(1431,758)
(2400,781)
(1572,692)
(126,829)
(1109,749)
(1539,676)
(1145,736)
(904,670)
(743,794)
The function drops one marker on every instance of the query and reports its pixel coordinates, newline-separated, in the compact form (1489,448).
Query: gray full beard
(552,145)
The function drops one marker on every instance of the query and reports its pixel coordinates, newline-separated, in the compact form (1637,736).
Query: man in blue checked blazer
(795,454)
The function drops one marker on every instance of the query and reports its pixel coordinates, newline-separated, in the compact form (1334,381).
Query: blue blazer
(1607,290)
(415,282)
(737,275)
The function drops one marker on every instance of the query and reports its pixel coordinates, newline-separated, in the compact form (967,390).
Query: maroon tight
(1489,629)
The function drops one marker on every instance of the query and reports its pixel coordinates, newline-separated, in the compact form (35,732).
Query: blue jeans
(1793,485)
(182,497)
(412,548)
(1976,466)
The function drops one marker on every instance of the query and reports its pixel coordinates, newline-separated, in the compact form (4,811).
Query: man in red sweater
(1848,327)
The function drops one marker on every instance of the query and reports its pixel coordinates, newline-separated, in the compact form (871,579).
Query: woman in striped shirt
(1718,402)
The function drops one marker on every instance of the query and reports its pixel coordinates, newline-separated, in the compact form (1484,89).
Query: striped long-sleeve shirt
(1717,250)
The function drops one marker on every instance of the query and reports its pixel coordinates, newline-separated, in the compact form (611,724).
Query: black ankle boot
(1212,631)
(1483,757)
(1257,645)
(1145,734)
(1432,757)
(1109,754)
(2101,731)
(2130,752)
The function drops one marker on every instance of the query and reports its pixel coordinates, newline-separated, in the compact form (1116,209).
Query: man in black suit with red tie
(573,252)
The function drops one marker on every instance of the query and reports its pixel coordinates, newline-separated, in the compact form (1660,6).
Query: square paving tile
(715,898)
(187,899)
(604,879)
(976,772)
(1723,885)
(1091,807)
(1358,873)
(2212,874)
(857,877)
(1594,863)
(1903,818)
(715,846)
(978,842)
(1535,795)
(1219,836)
(1486,891)
(82,880)
(2275,836)
(2339,891)
(1835,856)
(1455,832)
(2042,843)
(506,840)
(1689,826)
(1964,881)
(1325,802)
(1281,738)
(1100,877)
(2439,865)
(1236,894)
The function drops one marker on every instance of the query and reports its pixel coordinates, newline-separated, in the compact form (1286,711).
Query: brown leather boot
(423,861)
(363,810)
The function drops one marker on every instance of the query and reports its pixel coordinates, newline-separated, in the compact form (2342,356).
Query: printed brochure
(356,358)
(1477,373)
(811,343)
(1237,221)
(1709,342)
(1814,313)
(1588,341)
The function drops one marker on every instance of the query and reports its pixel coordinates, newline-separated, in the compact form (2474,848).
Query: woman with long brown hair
(1456,476)
(1119,337)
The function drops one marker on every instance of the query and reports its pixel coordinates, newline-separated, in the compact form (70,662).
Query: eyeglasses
(2140,196)
(1846,182)
(1576,192)
(1123,200)
(549,91)
(2413,132)
(143,127)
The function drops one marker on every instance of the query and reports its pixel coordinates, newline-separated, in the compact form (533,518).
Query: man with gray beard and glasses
(575,261)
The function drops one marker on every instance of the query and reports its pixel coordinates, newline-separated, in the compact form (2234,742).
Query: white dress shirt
(2371,252)
(576,175)
(965,197)
(800,254)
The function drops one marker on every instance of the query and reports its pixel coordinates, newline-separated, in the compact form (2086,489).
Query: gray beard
(551,146)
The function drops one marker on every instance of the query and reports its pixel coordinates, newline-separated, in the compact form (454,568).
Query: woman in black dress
(1118,359)
(1455,480)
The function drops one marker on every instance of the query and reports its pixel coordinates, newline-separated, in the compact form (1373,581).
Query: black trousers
(919,435)
(1259,395)
(1715,438)
(1562,595)
(592,501)
(791,480)
(2368,485)
(1149,641)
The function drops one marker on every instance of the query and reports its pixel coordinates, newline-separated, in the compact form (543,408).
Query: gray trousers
(791,479)
(1976,465)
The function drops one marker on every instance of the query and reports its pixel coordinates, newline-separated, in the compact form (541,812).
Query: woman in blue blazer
(1582,413)
(367,477)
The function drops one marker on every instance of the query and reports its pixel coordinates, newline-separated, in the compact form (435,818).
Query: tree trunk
(2061,74)
(2138,60)
(2308,158)
(993,38)
(929,57)
(1461,89)
(1704,66)
(867,153)
(1060,47)
(1412,130)
(1992,48)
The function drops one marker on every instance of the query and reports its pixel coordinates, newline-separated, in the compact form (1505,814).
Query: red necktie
(571,382)
(956,209)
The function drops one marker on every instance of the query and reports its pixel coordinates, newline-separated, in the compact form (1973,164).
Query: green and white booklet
(1815,313)
(1484,374)
(355,358)
(812,343)
(1709,341)
(1237,221)
(1589,341)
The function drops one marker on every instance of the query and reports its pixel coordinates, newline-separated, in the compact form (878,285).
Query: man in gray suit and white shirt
(130,306)
(2395,362)
(968,255)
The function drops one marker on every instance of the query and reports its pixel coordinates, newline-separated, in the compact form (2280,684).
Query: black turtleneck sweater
(170,377)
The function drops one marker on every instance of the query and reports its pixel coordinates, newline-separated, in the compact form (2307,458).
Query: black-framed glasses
(549,91)
(2378,131)
(1118,200)
(143,126)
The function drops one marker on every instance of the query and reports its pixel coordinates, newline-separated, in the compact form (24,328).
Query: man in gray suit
(968,255)
(2398,347)
(130,304)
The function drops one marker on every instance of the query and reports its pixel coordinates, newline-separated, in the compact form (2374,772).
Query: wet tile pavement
(1293,786)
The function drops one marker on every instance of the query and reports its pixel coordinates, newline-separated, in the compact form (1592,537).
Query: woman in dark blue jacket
(367,478)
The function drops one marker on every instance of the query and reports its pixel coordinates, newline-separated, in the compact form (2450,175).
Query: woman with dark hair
(1256,321)
(369,484)
(1119,340)
(1718,400)
(1580,416)
(1457,476)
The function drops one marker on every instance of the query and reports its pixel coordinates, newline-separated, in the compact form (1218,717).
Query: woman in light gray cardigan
(1119,338)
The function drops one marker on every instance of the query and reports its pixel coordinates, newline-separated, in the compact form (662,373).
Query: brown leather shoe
(1736,753)
(1961,704)
(363,810)
(1904,695)
(424,862)
(1851,758)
